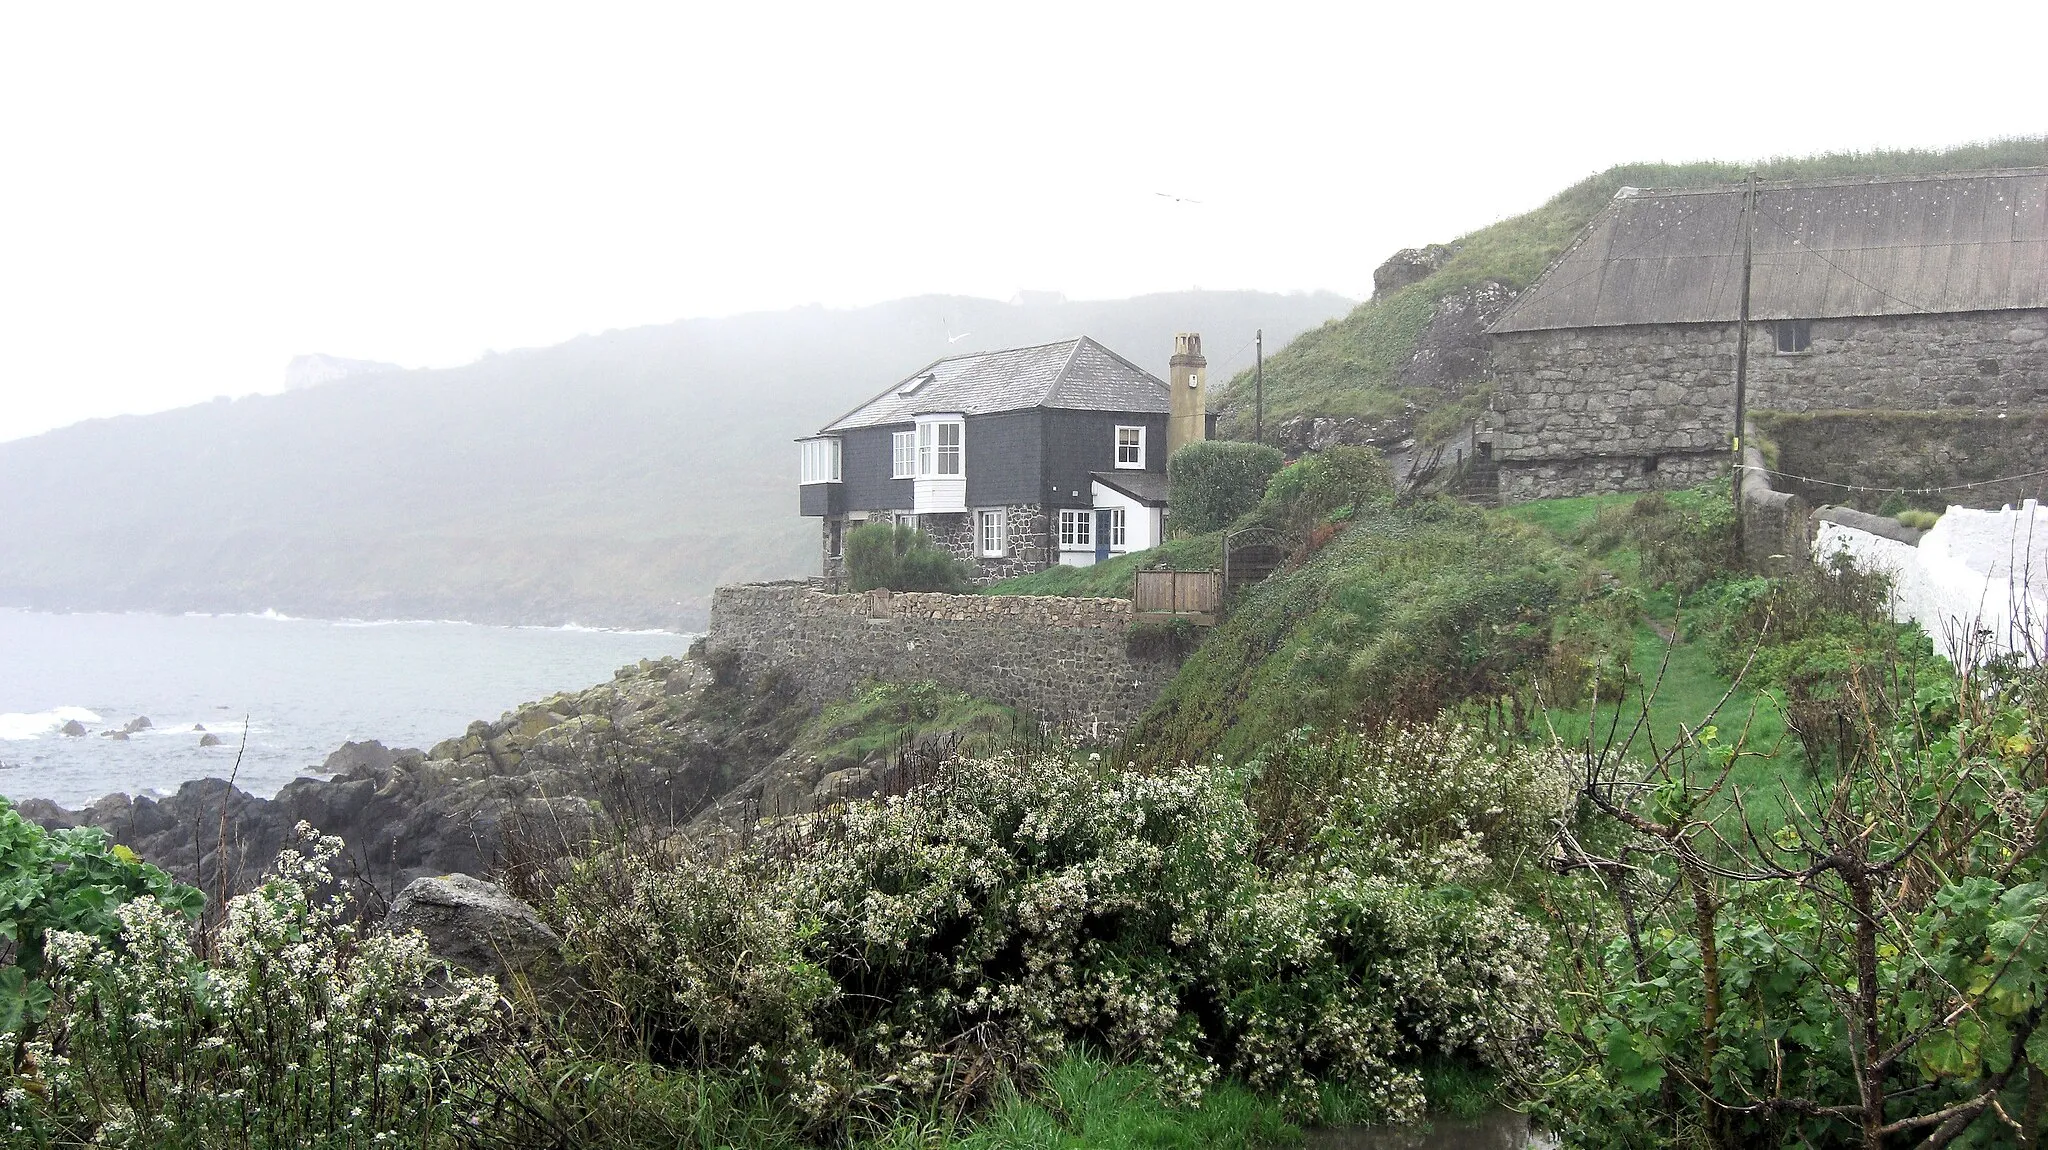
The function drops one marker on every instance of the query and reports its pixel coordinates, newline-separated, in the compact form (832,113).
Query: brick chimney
(1185,376)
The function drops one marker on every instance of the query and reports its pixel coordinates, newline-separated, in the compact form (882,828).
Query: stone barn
(1615,370)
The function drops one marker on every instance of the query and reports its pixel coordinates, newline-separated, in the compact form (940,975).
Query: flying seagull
(1177,199)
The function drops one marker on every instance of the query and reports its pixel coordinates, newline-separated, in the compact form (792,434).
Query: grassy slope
(1682,686)
(1348,366)
(1411,608)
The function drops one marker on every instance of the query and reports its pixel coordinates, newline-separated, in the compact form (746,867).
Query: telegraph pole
(1742,343)
(1259,387)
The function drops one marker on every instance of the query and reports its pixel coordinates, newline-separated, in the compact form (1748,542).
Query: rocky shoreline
(667,743)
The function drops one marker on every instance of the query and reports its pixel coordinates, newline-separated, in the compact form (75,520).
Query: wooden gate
(1196,596)
(1250,555)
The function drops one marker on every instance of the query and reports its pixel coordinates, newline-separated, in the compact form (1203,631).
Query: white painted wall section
(1977,583)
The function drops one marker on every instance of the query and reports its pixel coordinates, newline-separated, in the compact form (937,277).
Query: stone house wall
(1062,659)
(1030,539)
(1641,407)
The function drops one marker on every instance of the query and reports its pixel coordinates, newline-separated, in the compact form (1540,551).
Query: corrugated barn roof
(1974,241)
(1073,374)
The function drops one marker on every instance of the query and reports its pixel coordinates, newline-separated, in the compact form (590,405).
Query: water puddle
(1500,1130)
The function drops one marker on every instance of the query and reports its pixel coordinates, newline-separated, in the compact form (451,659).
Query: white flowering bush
(298,1028)
(924,946)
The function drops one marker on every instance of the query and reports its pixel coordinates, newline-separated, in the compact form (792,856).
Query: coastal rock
(473,924)
(1314,433)
(538,777)
(209,740)
(1409,265)
(1450,355)
(117,734)
(72,728)
(138,723)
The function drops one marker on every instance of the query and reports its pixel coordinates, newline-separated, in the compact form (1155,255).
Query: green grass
(884,716)
(1410,610)
(1678,677)
(1564,518)
(1086,1104)
(1351,366)
(1112,579)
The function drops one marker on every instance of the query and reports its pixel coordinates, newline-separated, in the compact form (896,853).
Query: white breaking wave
(16,726)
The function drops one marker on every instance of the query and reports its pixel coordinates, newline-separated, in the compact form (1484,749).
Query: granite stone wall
(1602,409)
(1777,526)
(1030,539)
(1061,659)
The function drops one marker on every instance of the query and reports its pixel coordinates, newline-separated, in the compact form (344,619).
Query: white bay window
(940,449)
(818,460)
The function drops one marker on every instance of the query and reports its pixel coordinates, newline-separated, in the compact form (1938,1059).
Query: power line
(1767,471)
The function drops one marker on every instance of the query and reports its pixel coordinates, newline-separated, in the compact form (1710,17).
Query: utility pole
(1742,344)
(1259,387)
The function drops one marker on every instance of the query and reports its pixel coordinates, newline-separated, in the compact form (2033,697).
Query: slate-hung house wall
(1013,460)
(1615,370)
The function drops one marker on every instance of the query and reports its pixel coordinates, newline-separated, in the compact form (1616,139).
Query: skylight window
(911,387)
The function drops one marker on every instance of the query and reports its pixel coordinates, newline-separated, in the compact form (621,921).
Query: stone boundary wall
(1777,526)
(1061,659)
(1982,459)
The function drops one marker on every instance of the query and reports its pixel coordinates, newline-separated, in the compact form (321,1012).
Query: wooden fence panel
(1190,593)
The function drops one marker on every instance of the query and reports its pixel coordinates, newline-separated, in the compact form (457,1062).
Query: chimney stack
(1185,377)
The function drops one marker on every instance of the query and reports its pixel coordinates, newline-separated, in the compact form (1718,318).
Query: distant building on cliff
(1615,370)
(1013,460)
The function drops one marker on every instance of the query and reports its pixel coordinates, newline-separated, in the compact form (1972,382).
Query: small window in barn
(1795,336)
(1130,448)
(995,535)
(1650,465)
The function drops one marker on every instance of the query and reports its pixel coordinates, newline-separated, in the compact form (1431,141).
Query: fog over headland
(199,195)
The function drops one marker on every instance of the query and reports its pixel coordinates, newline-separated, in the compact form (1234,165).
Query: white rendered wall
(1977,583)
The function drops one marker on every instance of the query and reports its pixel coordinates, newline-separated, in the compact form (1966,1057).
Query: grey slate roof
(1075,374)
(1974,241)
(1147,487)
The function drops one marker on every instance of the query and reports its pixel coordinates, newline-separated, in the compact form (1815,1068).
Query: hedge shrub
(1215,481)
(901,558)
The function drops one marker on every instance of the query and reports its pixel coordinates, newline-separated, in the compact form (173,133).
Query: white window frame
(903,519)
(992,532)
(818,460)
(1117,535)
(1077,529)
(1137,463)
(934,454)
(903,455)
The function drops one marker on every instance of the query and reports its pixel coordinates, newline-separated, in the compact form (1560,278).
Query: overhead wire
(1769,471)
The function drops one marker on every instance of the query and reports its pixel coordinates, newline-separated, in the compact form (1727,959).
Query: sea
(279,693)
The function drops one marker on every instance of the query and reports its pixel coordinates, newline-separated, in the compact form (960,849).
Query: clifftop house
(1615,370)
(1013,460)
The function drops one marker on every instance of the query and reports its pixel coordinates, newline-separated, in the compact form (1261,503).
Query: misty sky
(192,194)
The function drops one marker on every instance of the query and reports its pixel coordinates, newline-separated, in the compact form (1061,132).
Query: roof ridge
(1066,365)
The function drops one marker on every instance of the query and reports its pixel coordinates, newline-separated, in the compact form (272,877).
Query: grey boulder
(473,924)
